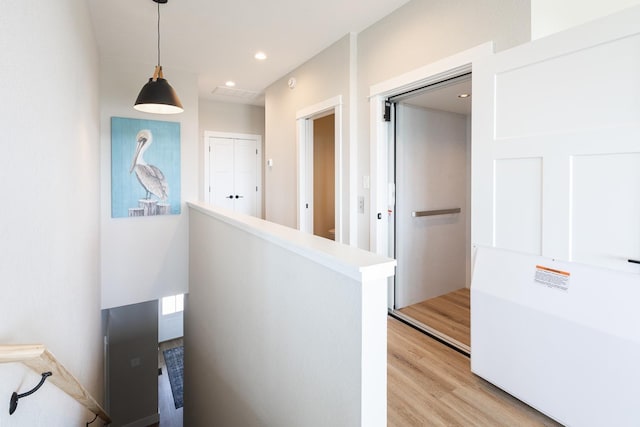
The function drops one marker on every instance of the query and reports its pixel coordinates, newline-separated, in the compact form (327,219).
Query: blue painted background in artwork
(164,153)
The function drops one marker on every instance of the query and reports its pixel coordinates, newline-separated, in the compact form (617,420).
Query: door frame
(206,194)
(382,192)
(381,132)
(304,143)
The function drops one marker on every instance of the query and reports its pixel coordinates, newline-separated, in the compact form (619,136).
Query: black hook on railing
(91,422)
(13,404)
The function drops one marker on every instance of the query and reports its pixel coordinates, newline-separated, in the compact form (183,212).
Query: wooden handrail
(38,358)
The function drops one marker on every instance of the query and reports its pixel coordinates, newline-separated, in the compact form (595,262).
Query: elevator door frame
(382,190)
(395,216)
(394,213)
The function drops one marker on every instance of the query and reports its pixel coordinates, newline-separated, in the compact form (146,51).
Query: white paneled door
(233,174)
(556,152)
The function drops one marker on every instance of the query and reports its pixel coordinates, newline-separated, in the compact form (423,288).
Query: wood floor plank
(430,384)
(450,314)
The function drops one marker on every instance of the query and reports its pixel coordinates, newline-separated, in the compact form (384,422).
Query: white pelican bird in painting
(151,178)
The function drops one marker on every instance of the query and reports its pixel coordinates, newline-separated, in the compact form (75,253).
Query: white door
(221,186)
(233,175)
(431,203)
(245,180)
(556,152)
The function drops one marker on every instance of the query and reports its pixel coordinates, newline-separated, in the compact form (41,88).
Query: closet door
(233,177)
(221,179)
(244,176)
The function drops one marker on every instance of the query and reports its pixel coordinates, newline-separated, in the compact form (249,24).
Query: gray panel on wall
(132,334)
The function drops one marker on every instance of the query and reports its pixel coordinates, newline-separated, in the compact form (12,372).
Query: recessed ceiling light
(230,83)
(261,56)
(464,95)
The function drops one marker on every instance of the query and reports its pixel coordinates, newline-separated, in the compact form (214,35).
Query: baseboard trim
(144,422)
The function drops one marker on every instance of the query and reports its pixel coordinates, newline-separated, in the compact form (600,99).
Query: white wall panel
(572,100)
(570,96)
(574,79)
(571,354)
(518,204)
(614,236)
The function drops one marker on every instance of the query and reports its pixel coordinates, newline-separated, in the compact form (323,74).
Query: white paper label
(552,278)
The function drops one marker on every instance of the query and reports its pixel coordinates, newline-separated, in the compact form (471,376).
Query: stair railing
(42,361)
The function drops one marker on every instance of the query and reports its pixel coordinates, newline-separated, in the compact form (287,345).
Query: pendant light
(157,96)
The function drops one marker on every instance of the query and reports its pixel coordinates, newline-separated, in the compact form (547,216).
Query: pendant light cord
(158,33)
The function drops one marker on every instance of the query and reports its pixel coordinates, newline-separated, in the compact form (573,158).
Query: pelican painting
(145,167)
(150,177)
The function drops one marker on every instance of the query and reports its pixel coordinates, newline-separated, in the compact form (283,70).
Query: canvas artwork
(145,167)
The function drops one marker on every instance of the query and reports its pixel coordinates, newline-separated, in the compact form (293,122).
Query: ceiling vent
(236,93)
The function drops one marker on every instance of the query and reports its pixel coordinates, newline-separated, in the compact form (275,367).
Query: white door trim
(452,66)
(304,118)
(231,135)
(320,109)
(306,178)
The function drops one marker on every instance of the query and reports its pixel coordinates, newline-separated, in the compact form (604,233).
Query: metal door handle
(634,261)
(435,212)
(239,197)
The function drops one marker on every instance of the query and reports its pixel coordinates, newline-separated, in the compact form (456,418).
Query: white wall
(229,117)
(283,328)
(145,258)
(552,16)
(49,221)
(170,326)
(325,76)
(418,34)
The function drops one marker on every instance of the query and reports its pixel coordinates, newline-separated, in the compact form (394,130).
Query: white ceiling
(217,39)
(445,98)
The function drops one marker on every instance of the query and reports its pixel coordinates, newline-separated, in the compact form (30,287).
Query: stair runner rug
(174,358)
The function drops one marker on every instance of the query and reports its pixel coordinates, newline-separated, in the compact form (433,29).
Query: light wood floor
(169,415)
(449,314)
(429,384)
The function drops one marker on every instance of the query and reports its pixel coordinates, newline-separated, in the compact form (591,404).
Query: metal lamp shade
(158,97)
